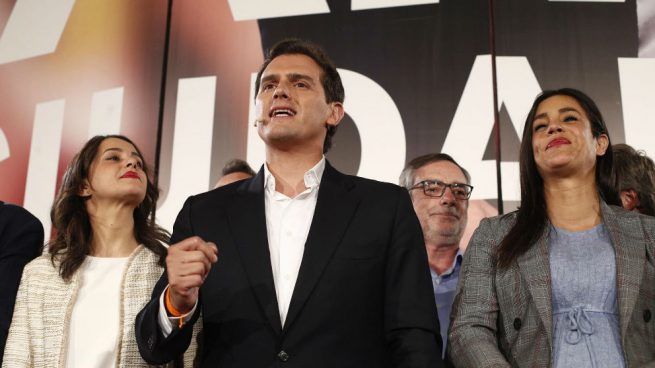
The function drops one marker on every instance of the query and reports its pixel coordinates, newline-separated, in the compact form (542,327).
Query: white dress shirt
(287,225)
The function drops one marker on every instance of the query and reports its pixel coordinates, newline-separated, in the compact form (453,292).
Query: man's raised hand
(187,264)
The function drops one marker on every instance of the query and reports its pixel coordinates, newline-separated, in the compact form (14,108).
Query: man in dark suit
(21,240)
(314,268)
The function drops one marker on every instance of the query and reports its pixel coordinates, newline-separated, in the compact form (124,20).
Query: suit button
(647,315)
(517,324)
(283,356)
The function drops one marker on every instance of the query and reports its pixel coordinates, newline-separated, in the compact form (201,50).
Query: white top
(93,336)
(287,225)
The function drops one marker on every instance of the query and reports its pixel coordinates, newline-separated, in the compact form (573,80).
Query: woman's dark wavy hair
(73,238)
(531,217)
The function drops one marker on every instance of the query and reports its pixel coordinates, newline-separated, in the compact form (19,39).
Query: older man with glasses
(440,189)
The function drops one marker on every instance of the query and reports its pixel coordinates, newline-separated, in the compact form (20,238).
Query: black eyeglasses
(436,188)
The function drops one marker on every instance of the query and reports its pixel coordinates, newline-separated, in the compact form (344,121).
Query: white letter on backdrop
(34,28)
(260,9)
(637,78)
(473,122)
(41,180)
(192,145)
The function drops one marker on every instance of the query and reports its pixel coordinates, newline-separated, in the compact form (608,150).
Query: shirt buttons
(647,315)
(283,356)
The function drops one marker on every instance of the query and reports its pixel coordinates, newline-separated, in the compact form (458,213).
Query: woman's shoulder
(492,230)
(41,274)
(41,265)
(623,216)
(500,223)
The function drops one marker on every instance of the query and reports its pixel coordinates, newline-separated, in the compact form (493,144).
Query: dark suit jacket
(503,318)
(363,296)
(21,240)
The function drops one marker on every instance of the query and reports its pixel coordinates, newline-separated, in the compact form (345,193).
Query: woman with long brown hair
(568,279)
(76,305)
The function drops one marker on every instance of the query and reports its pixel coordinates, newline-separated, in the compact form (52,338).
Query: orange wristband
(171,309)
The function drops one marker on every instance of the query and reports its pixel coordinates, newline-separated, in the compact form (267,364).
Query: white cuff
(167,323)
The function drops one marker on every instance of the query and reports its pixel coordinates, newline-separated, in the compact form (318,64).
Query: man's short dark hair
(407,176)
(237,165)
(330,78)
(634,170)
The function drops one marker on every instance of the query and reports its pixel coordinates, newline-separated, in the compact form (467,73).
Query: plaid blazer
(503,318)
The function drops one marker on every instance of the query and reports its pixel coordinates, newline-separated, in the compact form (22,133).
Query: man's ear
(629,199)
(336,114)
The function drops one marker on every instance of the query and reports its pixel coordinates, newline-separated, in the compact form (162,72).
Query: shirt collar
(312,176)
(456,263)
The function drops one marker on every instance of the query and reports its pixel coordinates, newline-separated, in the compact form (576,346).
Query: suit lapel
(630,251)
(334,210)
(535,268)
(247,218)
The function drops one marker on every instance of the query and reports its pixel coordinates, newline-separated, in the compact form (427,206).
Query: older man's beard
(436,234)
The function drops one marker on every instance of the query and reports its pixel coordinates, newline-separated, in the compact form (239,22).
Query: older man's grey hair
(408,175)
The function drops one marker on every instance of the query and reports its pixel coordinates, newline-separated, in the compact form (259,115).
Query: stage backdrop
(177,77)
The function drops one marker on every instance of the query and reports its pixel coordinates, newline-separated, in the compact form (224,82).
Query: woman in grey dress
(567,280)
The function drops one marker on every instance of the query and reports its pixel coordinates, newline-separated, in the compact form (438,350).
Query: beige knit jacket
(38,335)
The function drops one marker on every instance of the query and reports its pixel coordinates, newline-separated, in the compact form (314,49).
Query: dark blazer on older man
(503,318)
(363,297)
